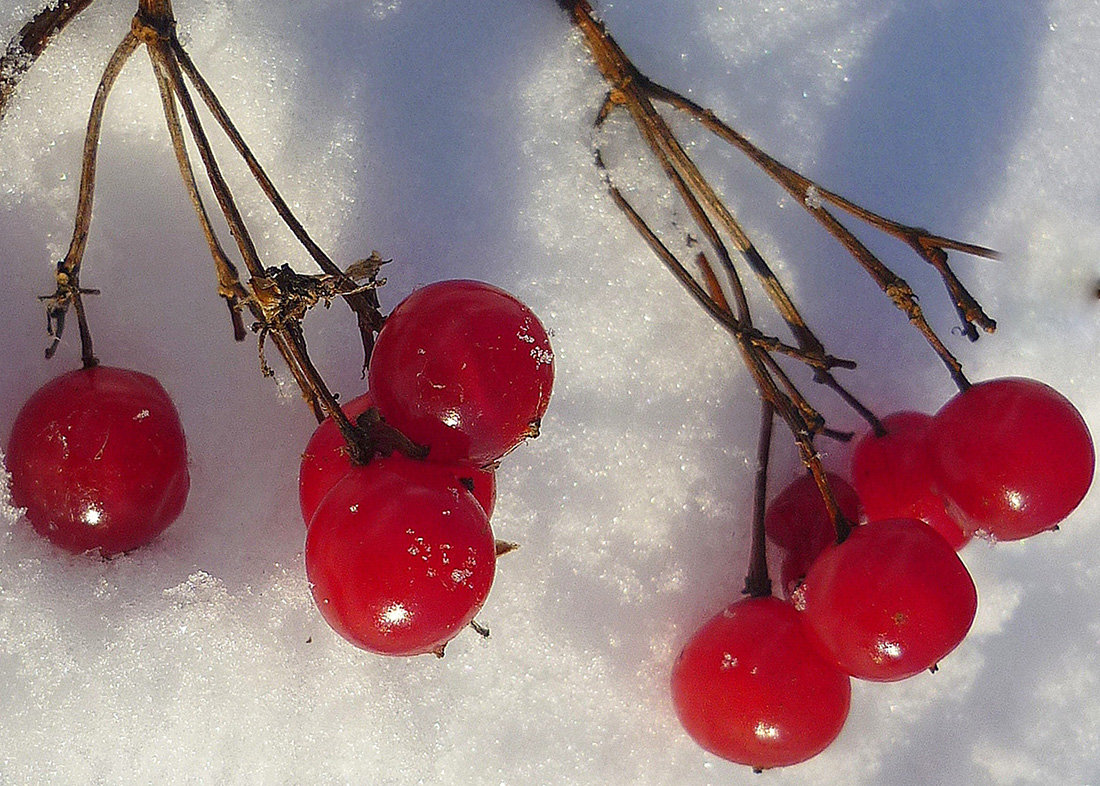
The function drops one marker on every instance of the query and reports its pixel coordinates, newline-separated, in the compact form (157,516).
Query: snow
(457,140)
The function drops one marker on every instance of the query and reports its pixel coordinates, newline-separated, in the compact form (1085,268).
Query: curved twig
(635,93)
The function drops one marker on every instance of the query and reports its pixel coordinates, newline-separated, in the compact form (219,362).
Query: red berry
(797,517)
(751,687)
(98,458)
(400,557)
(325,461)
(464,368)
(479,481)
(888,602)
(893,476)
(1012,456)
(797,521)
(793,568)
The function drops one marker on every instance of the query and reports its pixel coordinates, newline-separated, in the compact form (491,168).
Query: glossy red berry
(888,602)
(1012,456)
(798,522)
(751,687)
(98,458)
(399,558)
(325,461)
(464,368)
(893,476)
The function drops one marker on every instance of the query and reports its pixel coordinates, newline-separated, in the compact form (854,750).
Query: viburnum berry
(888,602)
(1013,457)
(798,521)
(793,568)
(798,513)
(750,687)
(400,557)
(98,458)
(464,368)
(325,461)
(893,475)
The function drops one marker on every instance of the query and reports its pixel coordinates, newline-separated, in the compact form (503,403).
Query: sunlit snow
(456,139)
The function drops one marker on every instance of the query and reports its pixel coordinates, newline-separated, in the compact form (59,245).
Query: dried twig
(757,582)
(277,297)
(633,92)
(32,41)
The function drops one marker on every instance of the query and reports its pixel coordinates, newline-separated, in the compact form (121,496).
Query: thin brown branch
(629,90)
(220,115)
(715,290)
(90,156)
(31,41)
(363,303)
(264,299)
(801,419)
(222,193)
(229,283)
(69,292)
(710,280)
(710,304)
(277,297)
(932,248)
(679,169)
(635,93)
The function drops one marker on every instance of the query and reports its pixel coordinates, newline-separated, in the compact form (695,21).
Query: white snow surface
(457,140)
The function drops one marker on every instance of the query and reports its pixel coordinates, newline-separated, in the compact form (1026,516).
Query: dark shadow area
(922,133)
(933,107)
(1019,663)
(441,154)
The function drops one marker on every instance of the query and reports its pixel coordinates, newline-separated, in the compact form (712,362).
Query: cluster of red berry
(766,682)
(399,552)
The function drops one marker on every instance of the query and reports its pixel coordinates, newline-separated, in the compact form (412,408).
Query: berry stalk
(31,41)
(757,582)
(277,298)
(633,92)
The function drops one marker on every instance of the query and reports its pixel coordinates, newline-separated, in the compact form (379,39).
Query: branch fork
(724,298)
(277,297)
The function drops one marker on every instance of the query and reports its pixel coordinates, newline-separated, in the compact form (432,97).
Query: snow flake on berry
(886,651)
(766,732)
(542,356)
(460,576)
